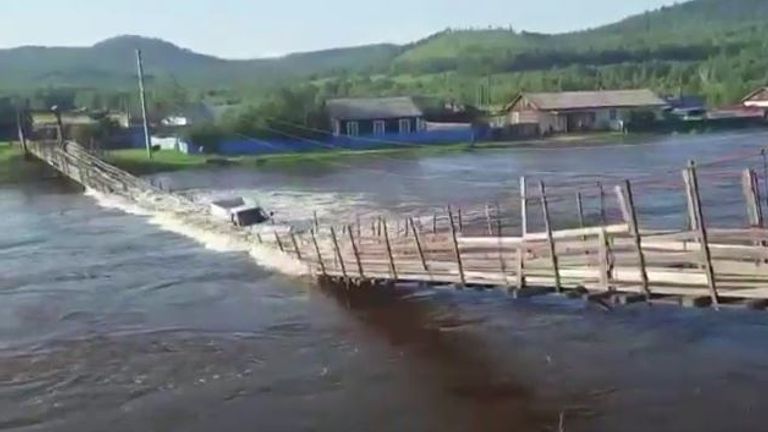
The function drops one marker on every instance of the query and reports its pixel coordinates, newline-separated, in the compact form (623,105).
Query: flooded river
(108,321)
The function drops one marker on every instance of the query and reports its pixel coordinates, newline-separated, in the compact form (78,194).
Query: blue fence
(253,146)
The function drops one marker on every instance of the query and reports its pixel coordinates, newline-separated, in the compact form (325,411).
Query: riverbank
(136,162)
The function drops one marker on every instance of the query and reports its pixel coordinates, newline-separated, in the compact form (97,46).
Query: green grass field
(11,162)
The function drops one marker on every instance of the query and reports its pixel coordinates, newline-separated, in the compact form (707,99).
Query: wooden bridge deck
(622,261)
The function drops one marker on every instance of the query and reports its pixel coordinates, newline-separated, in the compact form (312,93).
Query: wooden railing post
(523,249)
(392,268)
(356,252)
(457,249)
(319,255)
(417,239)
(752,198)
(603,212)
(604,257)
(635,229)
(279,242)
(625,210)
(550,237)
(338,253)
(488,219)
(702,231)
(295,245)
(434,223)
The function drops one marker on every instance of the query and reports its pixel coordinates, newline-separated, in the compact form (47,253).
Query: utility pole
(143,97)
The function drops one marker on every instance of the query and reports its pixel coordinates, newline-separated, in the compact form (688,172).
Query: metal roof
(593,99)
(373,108)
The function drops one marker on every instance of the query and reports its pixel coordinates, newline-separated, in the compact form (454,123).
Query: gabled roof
(591,99)
(754,93)
(373,108)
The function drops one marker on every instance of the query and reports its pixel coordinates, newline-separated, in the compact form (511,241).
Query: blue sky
(258,28)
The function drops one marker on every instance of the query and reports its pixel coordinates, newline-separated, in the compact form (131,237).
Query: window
(405,126)
(379,127)
(614,115)
(353,128)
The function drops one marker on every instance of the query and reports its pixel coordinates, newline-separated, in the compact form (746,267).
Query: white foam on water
(207,231)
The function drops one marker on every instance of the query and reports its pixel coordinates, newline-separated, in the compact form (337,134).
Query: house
(757,99)
(687,107)
(193,114)
(584,111)
(375,116)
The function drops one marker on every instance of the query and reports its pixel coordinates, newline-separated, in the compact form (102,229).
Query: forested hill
(713,47)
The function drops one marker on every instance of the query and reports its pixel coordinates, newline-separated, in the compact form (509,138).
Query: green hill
(111,64)
(713,47)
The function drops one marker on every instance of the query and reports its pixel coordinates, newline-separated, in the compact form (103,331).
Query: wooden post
(580,209)
(417,238)
(625,210)
(702,229)
(434,223)
(315,220)
(550,237)
(456,249)
(635,228)
(338,252)
(690,200)
(319,255)
(523,250)
(378,234)
(279,242)
(359,226)
(258,237)
(603,256)
(22,136)
(392,267)
(461,221)
(488,219)
(295,245)
(356,252)
(752,198)
(603,213)
(499,225)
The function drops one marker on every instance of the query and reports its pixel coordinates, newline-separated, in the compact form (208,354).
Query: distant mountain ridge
(692,31)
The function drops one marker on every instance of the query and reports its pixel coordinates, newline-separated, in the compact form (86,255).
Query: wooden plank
(457,249)
(702,229)
(603,256)
(550,238)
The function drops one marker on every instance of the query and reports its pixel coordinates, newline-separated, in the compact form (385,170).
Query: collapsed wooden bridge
(620,261)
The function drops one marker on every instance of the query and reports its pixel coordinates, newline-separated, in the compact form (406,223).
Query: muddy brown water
(108,322)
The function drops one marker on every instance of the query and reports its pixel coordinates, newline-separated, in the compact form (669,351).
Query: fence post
(434,223)
(417,238)
(338,253)
(752,198)
(456,249)
(295,245)
(523,250)
(635,228)
(603,213)
(392,267)
(279,242)
(625,211)
(488,219)
(550,237)
(319,255)
(702,229)
(603,256)
(356,252)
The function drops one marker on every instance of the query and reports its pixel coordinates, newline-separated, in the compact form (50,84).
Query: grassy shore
(136,162)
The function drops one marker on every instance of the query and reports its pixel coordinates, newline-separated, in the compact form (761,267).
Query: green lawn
(11,163)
